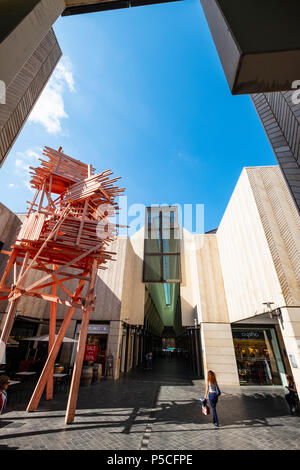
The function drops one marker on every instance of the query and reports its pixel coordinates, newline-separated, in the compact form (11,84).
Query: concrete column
(25,36)
(219,354)
(290,329)
(113,345)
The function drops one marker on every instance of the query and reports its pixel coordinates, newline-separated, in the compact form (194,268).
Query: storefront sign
(90,353)
(247,334)
(96,329)
(250,334)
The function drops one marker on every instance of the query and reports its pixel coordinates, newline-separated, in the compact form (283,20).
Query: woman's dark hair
(4,379)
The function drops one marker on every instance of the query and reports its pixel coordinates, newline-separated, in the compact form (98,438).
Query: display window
(101,342)
(258,356)
(97,339)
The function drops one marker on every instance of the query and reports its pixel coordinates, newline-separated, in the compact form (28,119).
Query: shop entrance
(175,349)
(96,344)
(258,356)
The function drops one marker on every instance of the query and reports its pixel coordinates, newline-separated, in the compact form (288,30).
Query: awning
(46,338)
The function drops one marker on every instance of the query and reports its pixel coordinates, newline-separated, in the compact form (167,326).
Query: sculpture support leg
(48,368)
(73,395)
(9,265)
(10,317)
(12,309)
(52,324)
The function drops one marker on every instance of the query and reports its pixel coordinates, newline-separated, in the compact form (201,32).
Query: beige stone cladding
(281,222)
(259,245)
(189,287)
(218,352)
(17,46)
(114,345)
(133,291)
(210,279)
(203,298)
(248,270)
(10,225)
(23,92)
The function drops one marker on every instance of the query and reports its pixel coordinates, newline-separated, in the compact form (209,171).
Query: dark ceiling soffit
(112,5)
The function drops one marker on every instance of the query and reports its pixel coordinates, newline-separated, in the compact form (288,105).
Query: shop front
(96,344)
(23,355)
(258,355)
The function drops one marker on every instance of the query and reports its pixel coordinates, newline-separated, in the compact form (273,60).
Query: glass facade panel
(153,242)
(257,356)
(162,248)
(171,268)
(170,243)
(152,268)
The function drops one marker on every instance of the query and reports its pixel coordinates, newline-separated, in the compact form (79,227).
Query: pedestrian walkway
(155,410)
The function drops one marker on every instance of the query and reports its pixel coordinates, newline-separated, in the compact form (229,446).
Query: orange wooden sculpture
(65,236)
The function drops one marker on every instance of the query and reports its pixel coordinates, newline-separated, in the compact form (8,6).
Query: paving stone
(155,410)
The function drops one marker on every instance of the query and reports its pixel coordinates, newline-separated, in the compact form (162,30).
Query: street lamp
(268,305)
(272,312)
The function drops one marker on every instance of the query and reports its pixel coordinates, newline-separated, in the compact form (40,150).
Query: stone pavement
(154,410)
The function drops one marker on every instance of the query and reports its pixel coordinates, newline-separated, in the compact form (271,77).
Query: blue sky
(142,91)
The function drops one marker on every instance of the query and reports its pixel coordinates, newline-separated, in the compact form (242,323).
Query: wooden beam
(48,284)
(63,236)
(33,202)
(82,221)
(9,265)
(52,233)
(52,327)
(10,317)
(59,282)
(73,395)
(44,296)
(48,368)
(83,255)
(42,197)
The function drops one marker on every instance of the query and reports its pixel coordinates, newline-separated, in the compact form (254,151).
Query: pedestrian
(4,382)
(292,397)
(212,393)
(150,356)
(146,362)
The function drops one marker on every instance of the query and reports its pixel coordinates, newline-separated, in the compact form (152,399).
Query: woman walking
(292,396)
(213,393)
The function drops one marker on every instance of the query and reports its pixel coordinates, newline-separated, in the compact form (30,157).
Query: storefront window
(101,342)
(258,357)
(97,339)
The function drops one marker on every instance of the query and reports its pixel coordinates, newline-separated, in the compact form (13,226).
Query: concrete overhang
(90,6)
(259,319)
(258,42)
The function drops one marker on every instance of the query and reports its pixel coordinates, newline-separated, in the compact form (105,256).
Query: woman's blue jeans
(213,399)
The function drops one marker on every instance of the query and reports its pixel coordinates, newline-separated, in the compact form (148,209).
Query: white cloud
(50,109)
(63,71)
(23,162)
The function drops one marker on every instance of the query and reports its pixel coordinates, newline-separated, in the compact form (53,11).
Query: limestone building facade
(230,298)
